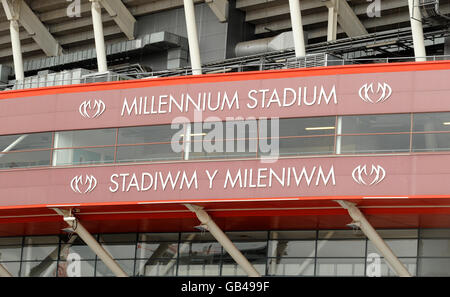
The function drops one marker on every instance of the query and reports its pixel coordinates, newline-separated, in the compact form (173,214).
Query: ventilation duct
(277,43)
(431,12)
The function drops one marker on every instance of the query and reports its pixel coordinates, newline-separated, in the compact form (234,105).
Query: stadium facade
(229,138)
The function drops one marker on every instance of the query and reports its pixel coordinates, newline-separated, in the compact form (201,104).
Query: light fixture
(195,134)
(69,219)
(319,128)
(446,123)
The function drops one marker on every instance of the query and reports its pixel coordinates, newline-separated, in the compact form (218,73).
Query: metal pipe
(221,237)
(417,31)
(96,11)
(297,28)
(79,229)
(191,27)
(361,221)
(16,49)
(97,248)
(4,272)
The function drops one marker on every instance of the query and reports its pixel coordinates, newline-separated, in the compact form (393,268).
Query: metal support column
(220,236)
(417,30)
(361,221)
(79,229)
(333,9)
(191,27)
(297,28)
(16,49)
(96,11)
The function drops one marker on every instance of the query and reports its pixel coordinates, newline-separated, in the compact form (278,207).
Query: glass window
(10,253)
(431,142)
(435,233)
(103,270)
(247,236)
(384,123)
(291,267)
(83,252)
(82,138)
(434,267)
(76,268)
(238,148)
(439,121)
(400,247)
(292,235)
(29,240)
(306,146)
(151,237)
(400,233)
(434,248)
(38,252)
(150,152)
(156,267)
(147,134)
(340,267)
(307,126)
(39,269)
(341,248)
(385,270)
(25,159)
(390,143)
(340,234)
(12,267)
(146,250)
(231,268)
(26,141)
(10,240)
(285,248)
(102,155)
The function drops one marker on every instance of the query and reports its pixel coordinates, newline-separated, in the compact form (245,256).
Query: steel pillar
(221,237)
(191,27)
(360,220)
(79,229)
(417,30)
(297,28)
(96,11)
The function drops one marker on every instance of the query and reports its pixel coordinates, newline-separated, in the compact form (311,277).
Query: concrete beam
(349,21)
(219,8)
(121,15)
(20,11)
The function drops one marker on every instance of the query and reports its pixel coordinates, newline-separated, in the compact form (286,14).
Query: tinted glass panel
(156,267)
(25,159)
(37,269)
(340,267)
(435,248)
(375,143)
(223,149)
(434,267)
(307,126)
(97,155)
(156,250)
(400,247)
(82,138)
(10,253)
(341,248)
(284,248)
(432,121)
(306,146)
(291,267)
(151,152)
(26,141)
(386,123)
(148,134)
(431,142)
